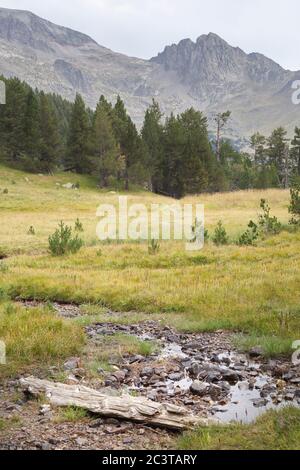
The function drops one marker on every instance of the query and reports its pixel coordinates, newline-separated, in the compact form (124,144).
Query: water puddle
(247,404)
(200,371)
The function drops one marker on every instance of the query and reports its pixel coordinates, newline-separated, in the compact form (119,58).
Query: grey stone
(72,363)
(230,376)
(176,376)
(119,375)
(147,371)
(199,388)
(257,351)
(260,402)
(81,441)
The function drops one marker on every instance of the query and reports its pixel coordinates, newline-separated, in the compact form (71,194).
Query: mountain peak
(208,74)
(210,37)
(26,28)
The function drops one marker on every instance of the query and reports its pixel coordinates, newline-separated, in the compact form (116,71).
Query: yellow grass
(248,288)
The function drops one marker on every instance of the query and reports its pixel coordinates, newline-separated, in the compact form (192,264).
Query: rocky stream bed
(201,372)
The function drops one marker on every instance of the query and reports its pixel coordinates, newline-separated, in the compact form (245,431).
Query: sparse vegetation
(8,423)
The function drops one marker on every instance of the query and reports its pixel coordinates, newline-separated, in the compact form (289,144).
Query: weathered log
(137,409)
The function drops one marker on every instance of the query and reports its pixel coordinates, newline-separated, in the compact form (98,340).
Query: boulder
(199,388)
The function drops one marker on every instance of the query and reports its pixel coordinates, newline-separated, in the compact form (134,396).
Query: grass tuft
(36,336)
(276,430)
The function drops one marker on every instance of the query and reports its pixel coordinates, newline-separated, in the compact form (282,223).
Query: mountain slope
(208,74)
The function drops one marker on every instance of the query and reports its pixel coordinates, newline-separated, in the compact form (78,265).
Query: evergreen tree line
(42,132)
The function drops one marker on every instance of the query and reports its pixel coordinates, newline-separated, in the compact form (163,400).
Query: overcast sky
(142,28)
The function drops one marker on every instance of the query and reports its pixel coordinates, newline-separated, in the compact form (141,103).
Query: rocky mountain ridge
(208,74)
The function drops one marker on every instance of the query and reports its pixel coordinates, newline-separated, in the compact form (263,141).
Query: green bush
(31,231)
(3,267)
(250,236)
(78,226)
(220,235)
(268,224)
(154,247)
(294,207)
(3,254)
(196,232)
(63,242)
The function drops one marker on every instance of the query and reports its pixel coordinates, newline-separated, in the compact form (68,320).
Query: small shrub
(154,247)
(268,224)
(197,232)
(5,191)
(3,295)
(251,235)
(71,414)
(63,242)
(220,235)
(294,207)
(9,309)
(3,267)
(31,231)
(78,226)
(3,254)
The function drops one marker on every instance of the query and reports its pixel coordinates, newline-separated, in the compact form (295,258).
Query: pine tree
(295,151)
(12,120)
(77,157)
(105,149)
(197,154)
(130,143)
(32,128)
(258,144)
(279,154)
(49,149)
(173,168)
(152,135)
(221,120)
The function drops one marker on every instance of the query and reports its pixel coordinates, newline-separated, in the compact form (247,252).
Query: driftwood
(137,409)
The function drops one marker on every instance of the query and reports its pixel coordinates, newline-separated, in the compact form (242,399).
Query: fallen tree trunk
(137,409)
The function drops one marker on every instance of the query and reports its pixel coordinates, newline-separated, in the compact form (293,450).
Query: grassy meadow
(252,290)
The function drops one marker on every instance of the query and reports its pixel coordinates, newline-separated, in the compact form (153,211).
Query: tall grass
(36,336)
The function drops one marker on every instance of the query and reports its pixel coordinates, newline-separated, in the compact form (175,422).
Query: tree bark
(137,409)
